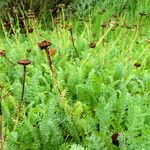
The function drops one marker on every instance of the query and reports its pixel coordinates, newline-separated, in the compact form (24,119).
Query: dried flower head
(137,65)
(2,53)
(44,44)
(52,51)
(115,140)
(104,25)
(92,45)
(24,62)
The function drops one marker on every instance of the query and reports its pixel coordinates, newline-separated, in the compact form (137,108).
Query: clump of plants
(86,88)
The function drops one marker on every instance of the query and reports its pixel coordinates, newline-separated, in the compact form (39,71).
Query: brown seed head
(104,25)
(44,44)
(2,53)
(114,138)
(92,45)
(137,65)
(52,51)
(24,62)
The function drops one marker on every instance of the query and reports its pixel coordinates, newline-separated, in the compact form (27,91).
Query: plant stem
(49,59)
(54,73)
(22,95)
(1,125)
(1,132)
(71,33)
(56,82)
(103,33)
(23,82)
(63,101)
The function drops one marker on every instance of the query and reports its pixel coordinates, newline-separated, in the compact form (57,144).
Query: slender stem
(1,128)
(71,33)
(103,44)
(22,95)
(103,33)
(1,125)
(49,60)
(23,82)
(63,103)
(1,132)
(54,73)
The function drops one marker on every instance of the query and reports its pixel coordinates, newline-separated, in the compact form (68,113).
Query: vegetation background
(85,80)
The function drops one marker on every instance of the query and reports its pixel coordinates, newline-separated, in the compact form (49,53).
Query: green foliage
(106,90)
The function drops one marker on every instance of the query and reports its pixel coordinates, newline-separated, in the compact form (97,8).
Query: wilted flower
(44,44)
(104,25)
(115,140)
(137,65)
(92,45)
(24,62)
